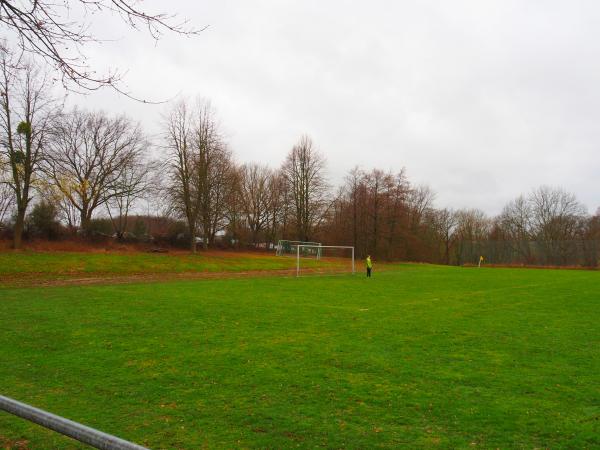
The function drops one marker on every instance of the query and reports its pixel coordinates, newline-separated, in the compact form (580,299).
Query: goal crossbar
(319,246)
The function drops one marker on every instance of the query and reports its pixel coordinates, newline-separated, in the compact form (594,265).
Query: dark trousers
(368,272)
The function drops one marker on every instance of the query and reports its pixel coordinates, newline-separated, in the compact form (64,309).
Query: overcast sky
(482,100)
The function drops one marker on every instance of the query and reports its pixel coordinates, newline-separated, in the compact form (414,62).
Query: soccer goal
(290,248)
(322,259)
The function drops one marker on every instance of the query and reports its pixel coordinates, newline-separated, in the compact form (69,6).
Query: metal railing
(74,430)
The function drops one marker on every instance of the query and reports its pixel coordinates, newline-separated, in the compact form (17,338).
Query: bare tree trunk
(85,223)
(18,231)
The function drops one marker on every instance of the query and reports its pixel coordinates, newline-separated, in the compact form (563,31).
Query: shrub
(140,230)
(100,228)
(43,222)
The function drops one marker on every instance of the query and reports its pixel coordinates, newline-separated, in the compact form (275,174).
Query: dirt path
(103,279)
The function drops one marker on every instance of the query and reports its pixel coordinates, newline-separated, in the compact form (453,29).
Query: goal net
(290,248)
(324,259)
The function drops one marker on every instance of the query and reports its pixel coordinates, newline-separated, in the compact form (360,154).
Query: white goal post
(319,248)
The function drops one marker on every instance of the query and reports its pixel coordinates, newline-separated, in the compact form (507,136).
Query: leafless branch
(42,28)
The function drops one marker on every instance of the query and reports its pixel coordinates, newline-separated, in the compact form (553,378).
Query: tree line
(383,214)
(73,168)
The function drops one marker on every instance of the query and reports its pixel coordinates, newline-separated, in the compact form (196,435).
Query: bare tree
(279,207)
(27,110)
(370,211)
(256,197)
(445,223)
(137,180)
(557,220)
(215,173)
(304,173)
(89,156)
(181,159)
(547,214)
(397,189)
(593,227)
(219,171)
(45,28)
(555,213)
(472,225)
(515,219)
(202,173)
(550,217)
(385,206)
(354,181)
(375,182)
(236,228)
(420,200)
(516,226)
(472,228)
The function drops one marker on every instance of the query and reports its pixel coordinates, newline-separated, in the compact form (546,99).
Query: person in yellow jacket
(369,266)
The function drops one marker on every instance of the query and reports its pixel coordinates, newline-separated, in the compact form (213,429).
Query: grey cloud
(483,100)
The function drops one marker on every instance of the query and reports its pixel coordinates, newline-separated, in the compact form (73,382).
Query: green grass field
(66,263)
(418,356)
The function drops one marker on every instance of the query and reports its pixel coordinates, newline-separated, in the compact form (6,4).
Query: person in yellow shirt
(369,266)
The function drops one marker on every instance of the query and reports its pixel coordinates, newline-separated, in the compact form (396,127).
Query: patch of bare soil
(11,444)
